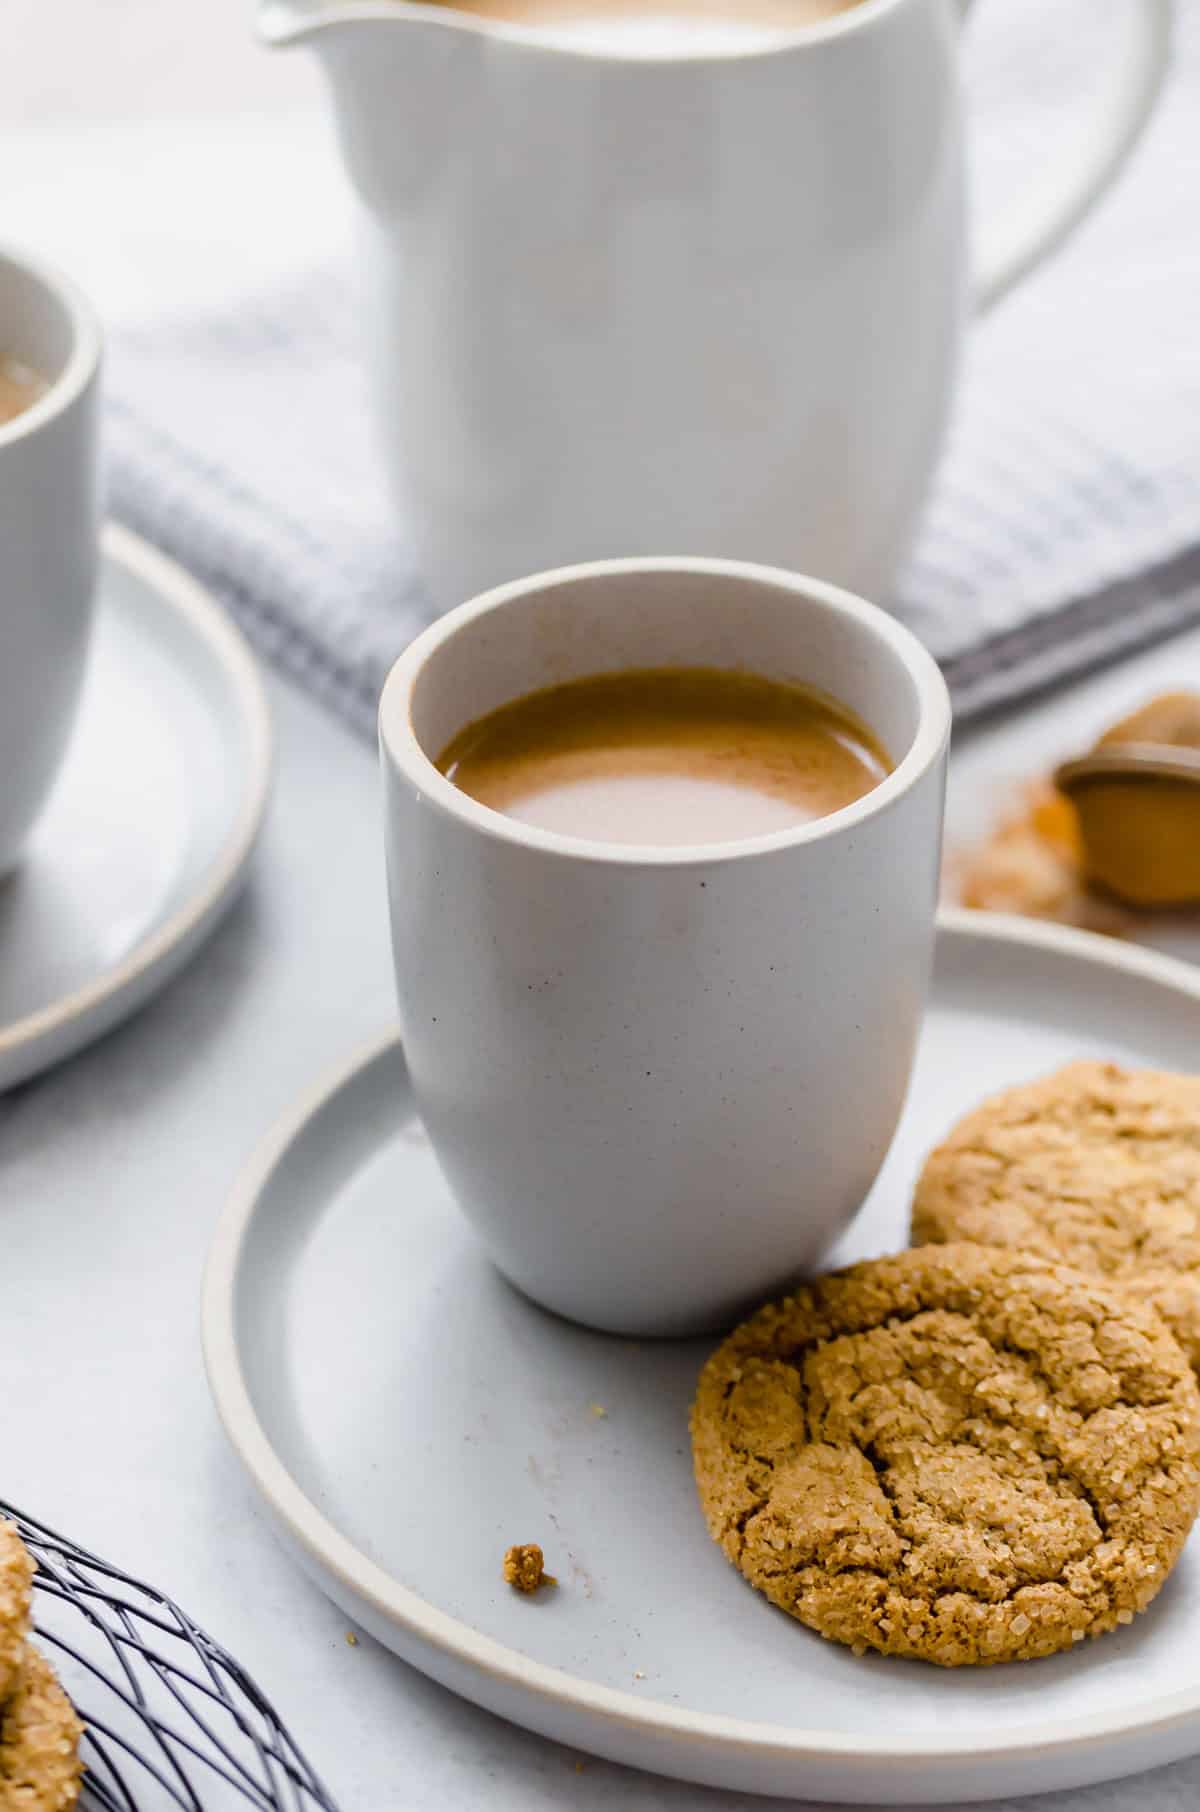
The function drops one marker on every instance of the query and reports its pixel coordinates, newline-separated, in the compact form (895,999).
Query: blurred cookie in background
(1110,838)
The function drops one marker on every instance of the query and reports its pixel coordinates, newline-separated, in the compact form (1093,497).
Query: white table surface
(113,1168)
(111,1172)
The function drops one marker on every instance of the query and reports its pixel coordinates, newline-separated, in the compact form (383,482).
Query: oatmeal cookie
(39,1743)
(16,1575)
(1096,1167)
(958,1454)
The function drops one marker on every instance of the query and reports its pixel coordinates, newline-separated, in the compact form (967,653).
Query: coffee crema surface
(20,388)
(677,27)
(667,756)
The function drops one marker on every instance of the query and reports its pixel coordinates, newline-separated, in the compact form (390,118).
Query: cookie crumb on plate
(525,1568)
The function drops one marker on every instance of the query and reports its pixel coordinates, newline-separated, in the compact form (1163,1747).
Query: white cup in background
(48,530)
(661,1081)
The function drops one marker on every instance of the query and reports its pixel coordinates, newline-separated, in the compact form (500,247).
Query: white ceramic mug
(710,301)
(48,529)
(661,1081)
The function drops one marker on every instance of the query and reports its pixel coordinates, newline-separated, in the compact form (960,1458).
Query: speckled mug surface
(661,1081)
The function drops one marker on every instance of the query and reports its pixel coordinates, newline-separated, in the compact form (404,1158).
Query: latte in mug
(667,756)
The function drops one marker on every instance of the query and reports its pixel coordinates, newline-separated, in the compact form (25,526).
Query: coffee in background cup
(20,388)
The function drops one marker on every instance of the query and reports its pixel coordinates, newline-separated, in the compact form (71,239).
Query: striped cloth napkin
(1065,525)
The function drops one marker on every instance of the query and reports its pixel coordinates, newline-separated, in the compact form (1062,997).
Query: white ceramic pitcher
(705,303)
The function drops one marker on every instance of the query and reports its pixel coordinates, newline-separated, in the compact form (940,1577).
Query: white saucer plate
(147,834)
(407,1416)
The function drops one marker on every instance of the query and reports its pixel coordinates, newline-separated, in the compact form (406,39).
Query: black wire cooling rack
(171,1720)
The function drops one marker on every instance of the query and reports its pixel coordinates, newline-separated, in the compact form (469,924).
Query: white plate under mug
(147,835)
(407,1416)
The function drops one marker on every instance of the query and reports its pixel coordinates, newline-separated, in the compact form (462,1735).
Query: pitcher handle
(1015,244)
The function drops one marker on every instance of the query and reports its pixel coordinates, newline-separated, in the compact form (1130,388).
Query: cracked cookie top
(39,1743)
(959,1454)
(16,1576)
(1094,1166)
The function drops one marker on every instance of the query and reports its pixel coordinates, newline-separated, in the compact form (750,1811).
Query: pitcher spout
(284,22)
(395,72)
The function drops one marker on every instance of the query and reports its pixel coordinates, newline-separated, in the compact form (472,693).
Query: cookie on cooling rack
(958,1454)
(40,1768)
(16,1576)
(1095,1166)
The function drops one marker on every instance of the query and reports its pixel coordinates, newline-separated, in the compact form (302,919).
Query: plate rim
(178,591)
(402,1608)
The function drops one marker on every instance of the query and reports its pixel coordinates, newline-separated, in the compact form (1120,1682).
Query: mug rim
(83,359)
(400,746)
